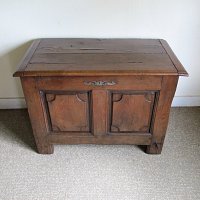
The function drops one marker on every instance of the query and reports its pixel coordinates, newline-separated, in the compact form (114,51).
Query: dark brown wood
(88,57)
(138,139)
(99,91)
(35,110)
(135,112)
(26,58)
(179,67)
(68,112)
(78,83)
(98,45)
(100,112)
(161,116)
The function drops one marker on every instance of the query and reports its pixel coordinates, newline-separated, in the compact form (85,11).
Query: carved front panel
(131,112)
(68,112)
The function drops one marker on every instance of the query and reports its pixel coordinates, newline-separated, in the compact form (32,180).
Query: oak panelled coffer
(99,91)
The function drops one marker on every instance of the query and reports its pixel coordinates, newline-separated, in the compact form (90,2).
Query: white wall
(177,21)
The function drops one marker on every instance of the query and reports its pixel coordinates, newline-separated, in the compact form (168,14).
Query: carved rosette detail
(148,97)
(117,97)
(81,97)
(50,97)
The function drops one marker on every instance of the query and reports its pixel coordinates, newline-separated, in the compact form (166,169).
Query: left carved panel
(68,111)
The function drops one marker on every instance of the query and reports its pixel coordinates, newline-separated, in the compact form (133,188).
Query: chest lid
(88,57)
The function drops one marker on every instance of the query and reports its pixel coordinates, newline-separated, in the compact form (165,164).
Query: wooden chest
(99,91)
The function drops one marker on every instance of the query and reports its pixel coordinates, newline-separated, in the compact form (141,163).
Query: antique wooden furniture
(99,91)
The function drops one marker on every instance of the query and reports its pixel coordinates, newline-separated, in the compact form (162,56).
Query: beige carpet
(92,172)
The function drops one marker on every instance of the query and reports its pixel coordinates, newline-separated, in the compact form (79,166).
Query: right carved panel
(131,112)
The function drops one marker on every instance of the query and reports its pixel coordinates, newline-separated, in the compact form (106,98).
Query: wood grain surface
(70,57)
(99,91)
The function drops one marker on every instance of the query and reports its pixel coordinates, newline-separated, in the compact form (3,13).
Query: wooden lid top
(89,57)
